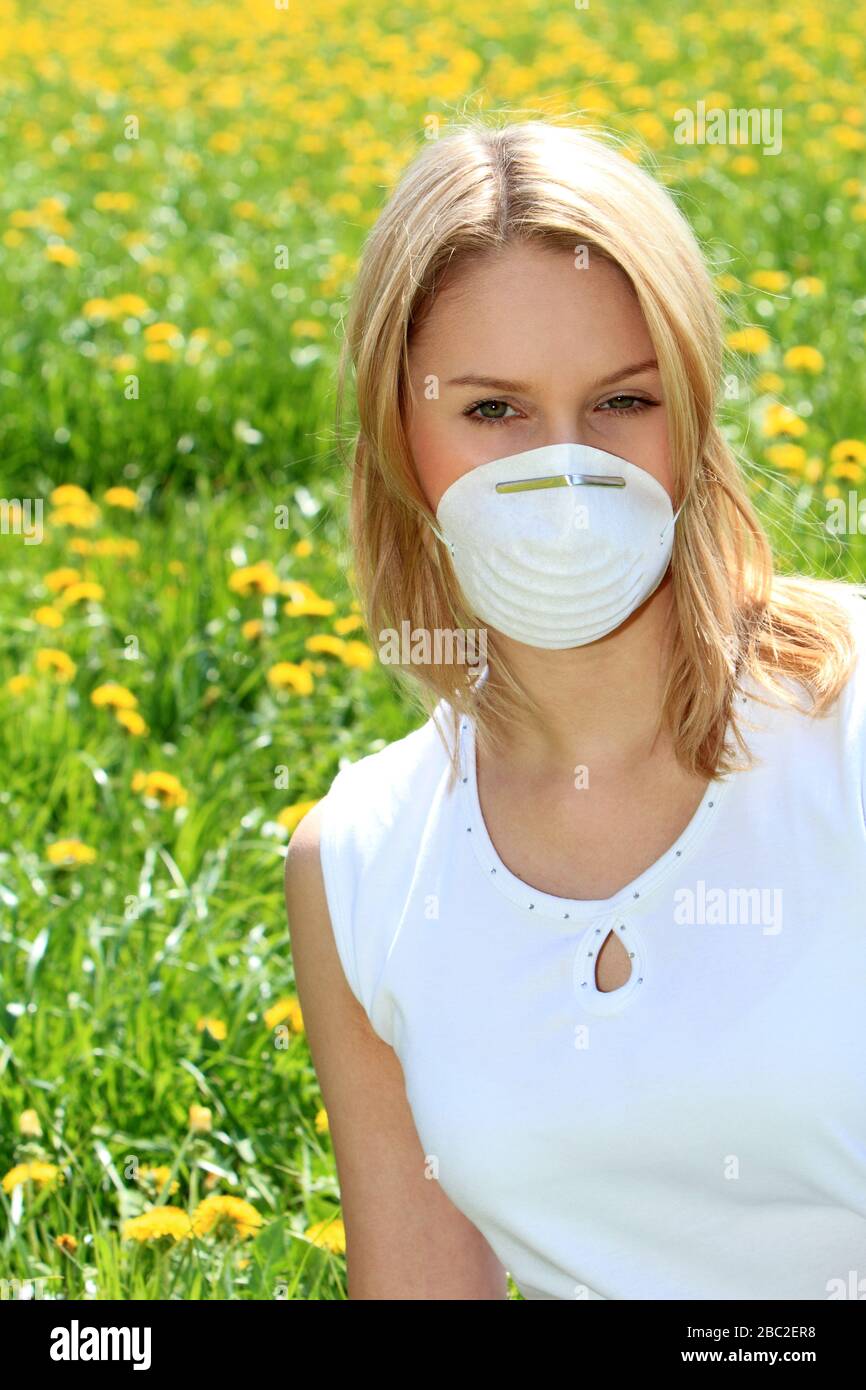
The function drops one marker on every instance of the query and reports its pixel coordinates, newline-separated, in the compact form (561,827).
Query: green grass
(106,967)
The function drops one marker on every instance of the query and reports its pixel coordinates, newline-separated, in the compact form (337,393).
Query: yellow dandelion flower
(113,695)
(329,1234)
(157,1223)
(288,675)
(85,592)
(307,328)
(200,1119)
(124,362)
(773,280)
(68,852)
(61,579)
(24,217)
(291,816)
(348,624)
(808,285)
(48,616)
(804,359)
(325,642)
(852,471)
(157,1176)
(162,332)
(788,456)
(28,1124)
(309,608)
(69,495)
(830,490)
(109,201)
(121,497)
(219,1213)
(159,352)
(286,1010)
(303,548)
(749,340)
(98,309)
(225,142)
(60,254)
(120,547)
(770,382)
(252,629)
(57,662)
(81,518)
(261,578)
(296,589)
(67,1243)
(20,684)
(358,654)
(321,1123)
(214,1026)
(160,786)
(849,139)
(131,304)
(40,1174)
(318,668)
(781,419)
(131,721)
(848,451)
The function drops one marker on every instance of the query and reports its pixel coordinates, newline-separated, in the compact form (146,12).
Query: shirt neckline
(631,898)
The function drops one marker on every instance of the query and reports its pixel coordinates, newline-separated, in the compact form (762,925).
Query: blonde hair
(468,194)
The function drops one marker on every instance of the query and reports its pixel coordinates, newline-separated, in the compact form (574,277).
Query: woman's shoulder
(852,599)
(847,600)
(382,790)
(852,702)
(834,745)
(371,826)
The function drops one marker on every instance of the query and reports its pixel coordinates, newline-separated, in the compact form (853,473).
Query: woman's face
(524,349)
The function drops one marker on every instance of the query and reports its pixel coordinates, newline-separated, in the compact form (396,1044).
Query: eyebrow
(494,383)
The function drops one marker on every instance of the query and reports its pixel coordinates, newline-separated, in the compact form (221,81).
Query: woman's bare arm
(405,1239)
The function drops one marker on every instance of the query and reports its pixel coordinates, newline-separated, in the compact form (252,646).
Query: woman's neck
(601,702)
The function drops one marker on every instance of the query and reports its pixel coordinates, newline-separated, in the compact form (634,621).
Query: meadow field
(183,665)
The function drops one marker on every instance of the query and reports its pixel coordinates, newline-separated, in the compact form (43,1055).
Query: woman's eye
(488,419)
(625,405)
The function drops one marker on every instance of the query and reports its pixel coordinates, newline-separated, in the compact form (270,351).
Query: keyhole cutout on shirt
(612,965)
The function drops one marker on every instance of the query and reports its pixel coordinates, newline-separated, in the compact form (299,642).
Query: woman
(584,988)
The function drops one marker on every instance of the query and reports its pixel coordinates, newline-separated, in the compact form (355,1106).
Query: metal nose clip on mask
(555,547)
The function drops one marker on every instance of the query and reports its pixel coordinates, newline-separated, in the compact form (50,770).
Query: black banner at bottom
(64,1338)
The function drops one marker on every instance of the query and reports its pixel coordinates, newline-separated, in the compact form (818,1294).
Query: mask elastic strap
(672,520)
(438,534)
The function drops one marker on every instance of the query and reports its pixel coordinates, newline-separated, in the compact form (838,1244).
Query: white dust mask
(556,546)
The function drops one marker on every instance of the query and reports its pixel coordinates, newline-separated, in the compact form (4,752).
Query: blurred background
(183,667)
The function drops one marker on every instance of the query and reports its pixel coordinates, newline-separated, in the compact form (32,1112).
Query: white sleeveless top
(698,1133)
